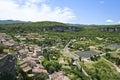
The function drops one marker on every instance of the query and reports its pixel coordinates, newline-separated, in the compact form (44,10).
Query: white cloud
(30,11)
(109,21)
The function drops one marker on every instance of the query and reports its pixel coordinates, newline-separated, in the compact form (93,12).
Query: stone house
(58,76)
(32,66)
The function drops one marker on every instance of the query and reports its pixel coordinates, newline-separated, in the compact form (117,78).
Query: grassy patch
(101,70)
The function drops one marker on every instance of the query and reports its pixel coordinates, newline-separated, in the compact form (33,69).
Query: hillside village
(28,59)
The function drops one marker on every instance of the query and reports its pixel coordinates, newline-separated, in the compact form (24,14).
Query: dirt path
(116,67)
(76,58)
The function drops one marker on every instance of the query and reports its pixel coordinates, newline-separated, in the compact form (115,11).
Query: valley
(59,51)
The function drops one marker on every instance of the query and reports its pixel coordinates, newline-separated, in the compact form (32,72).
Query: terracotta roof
(22,51)
(26,69)
(38,70)
(21,62)
(24,65)
(59,76)
(30,58)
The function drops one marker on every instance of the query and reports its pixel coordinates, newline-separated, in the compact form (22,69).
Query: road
(75,57)
(116,67)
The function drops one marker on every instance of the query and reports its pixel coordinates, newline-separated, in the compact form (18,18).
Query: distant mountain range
(70,24)
(11,21)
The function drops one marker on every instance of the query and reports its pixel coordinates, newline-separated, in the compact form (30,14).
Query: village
(29,57)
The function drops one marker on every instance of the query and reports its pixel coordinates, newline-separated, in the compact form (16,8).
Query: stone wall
(7,64)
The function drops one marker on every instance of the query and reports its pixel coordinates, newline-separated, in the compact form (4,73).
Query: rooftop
(114,46)
(87,54)
(38,70)
(26,69)
(58,76)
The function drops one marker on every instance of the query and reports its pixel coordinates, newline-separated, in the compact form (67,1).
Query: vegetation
(51,54)
(101,70)
(115,58)
(41,76)
(51,66)
(75,74)
(51,60)
(52,37)
(2,47)
(94,58)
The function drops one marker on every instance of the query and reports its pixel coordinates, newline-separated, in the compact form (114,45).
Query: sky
(67,11)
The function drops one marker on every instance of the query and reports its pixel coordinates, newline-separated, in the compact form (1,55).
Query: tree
(41,76)
(94,58)
(80,58)
(107,50)
(51,65)
(108,55)
(51,54)
(117,61)
(1,48)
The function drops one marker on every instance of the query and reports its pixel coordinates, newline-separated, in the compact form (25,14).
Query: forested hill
(54,26)
(38,26)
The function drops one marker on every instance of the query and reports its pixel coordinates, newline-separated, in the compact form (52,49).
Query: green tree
(1,48)
(41,76)
(108,55)
(51,65)
(51,54)
(117,61)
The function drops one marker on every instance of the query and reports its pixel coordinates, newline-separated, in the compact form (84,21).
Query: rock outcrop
(7,64)
(110,29)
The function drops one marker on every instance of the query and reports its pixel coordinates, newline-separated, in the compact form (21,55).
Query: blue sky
(70,11)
